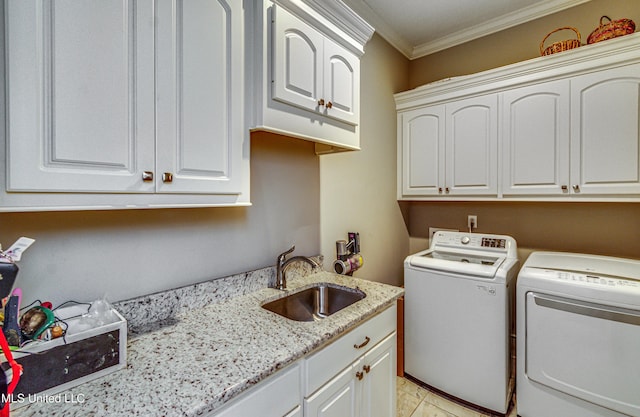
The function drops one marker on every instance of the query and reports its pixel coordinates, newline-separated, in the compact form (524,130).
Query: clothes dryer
(578,336)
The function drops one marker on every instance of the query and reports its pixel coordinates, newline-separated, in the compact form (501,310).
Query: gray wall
(358,189)
(121,254)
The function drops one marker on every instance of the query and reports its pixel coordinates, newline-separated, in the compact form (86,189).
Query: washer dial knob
(465,240)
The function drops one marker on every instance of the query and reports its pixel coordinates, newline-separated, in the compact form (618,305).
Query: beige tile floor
(415,401)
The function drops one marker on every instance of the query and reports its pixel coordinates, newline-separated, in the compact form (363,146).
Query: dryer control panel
(577,277)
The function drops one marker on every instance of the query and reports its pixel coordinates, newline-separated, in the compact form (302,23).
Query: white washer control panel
(473,241)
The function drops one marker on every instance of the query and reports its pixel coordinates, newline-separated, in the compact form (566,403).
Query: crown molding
(623,50)
(345,18)
(540,9)
(498,24)
(330,16)
(385,30)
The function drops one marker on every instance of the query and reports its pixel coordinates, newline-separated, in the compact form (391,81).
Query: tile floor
(415,401)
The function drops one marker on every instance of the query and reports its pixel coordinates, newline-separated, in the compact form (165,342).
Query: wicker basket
(612,29)
(562,45)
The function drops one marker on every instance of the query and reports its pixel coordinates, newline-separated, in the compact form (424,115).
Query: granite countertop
(204,357)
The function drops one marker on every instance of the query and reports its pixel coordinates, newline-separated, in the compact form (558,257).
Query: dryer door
(586,350)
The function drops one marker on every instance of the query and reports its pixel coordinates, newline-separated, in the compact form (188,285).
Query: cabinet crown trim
(588,58)
(325,15)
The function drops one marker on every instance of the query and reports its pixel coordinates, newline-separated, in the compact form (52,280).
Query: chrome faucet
(281,279)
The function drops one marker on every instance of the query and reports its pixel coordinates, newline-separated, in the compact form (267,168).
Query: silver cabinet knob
(167,177)
(147,176)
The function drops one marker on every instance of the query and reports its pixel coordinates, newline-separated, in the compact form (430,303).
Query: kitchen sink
(315,303)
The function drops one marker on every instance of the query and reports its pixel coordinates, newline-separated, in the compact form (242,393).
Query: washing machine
(459,297)
(578,336)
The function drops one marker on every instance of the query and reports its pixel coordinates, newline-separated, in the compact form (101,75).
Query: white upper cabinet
(80,95)
(423,148)
(341,86)
(297,61)
(568,130)
(121,103)
(535,139)
(605,123)
(199,96)
(306,78)
(471,146)
(450,149)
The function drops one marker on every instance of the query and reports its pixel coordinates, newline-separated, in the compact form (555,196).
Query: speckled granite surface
(201,358)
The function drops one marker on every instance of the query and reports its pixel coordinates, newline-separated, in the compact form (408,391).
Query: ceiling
(421,27)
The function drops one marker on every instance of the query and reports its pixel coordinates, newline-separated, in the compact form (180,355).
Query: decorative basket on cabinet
(610,30)
(560,45)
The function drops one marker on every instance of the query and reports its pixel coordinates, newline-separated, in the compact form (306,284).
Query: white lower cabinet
(337,398)
(364,384)
(296,412)
(354,376)
(366,388)
(379,382)
(278,396)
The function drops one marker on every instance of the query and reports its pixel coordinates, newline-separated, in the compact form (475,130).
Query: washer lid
(467,263)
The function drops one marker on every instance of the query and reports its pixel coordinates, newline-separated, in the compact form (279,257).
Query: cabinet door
(605,123)
(472,146)
(379,388)
(341,86)
(423,150)
(296,412)
(297,61)
(80,94)
(277,396)
(199,96)
(338,398)
(535,139)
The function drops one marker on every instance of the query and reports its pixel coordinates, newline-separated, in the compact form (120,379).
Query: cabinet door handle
(366,368)
(439,190)
(167,177)
(576,188)
(446,190)
(359,375)
(329,105)
(147,176)
(564,188)
(363,344)
(321,102)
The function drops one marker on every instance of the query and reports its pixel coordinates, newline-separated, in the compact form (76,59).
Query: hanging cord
(16,369)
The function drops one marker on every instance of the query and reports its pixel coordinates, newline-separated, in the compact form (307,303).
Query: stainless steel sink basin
(315,303)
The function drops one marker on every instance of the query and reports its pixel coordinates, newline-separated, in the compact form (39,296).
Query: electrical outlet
(472,221)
